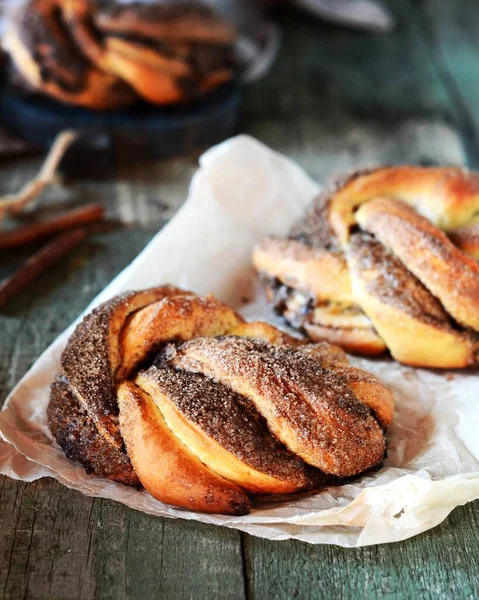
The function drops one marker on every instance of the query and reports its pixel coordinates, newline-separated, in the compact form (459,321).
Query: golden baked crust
(225,431)
(44,57)
(260,330)
(319,271)
(178,318)
(414,325)
(308,408)
(309,280)
(450,275)
(166,468)
(124,396)
(467,239)
(356,341)
(446,196)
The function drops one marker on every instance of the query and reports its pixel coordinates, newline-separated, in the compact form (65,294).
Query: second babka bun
(385,259)
(177,393)
(104,55)
(46,61)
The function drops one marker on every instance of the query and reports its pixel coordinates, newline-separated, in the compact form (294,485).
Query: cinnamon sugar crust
(393,283)
(408,317)
(92,356)
(326,354)
(405,208)
(309,408)
(315,229)
(244,414)
(76,433)
(451,276)
(86,362)
(231,419)
(370,390)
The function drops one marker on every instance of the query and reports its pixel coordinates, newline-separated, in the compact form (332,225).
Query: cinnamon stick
(35,232)
(16,203)
(39,263)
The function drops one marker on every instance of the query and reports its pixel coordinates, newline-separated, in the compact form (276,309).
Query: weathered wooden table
(336,98)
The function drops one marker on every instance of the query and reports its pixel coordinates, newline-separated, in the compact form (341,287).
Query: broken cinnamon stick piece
(16,203)
(35,232)
(39,263)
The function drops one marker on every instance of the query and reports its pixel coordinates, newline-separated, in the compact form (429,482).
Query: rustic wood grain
(336,98)
(436,564)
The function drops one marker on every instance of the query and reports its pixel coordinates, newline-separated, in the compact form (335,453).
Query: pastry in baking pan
(385,259)
(177,393)
(46,61)
(185,21)
(104,55)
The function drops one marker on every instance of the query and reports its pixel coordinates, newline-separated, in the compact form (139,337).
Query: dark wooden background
(336,98)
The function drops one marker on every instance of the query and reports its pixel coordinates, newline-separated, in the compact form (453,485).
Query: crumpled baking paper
(243,191)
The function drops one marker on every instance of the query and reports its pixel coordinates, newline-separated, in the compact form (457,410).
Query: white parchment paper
(241,192)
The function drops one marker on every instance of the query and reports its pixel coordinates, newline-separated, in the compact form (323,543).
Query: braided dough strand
(129,406)
(446,196)
(450,275)
(412,322)
(420,300)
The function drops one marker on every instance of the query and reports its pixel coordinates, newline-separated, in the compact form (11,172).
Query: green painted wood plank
(439,564)
(58,544)
(137,556)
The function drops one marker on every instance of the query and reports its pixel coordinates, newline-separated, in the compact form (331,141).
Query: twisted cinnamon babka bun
(177,393)
(385,259)
(103,55)
(46,60)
